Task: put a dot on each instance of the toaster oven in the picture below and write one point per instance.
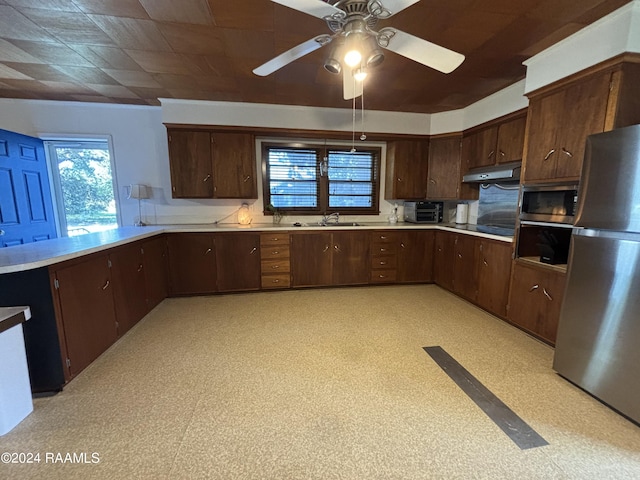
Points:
(423, 212)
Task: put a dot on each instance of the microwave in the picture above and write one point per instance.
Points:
(423, 212)
(554, 203)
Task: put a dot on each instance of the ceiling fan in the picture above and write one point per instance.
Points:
(357, 46)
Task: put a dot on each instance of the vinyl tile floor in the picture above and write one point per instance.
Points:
(318, 384)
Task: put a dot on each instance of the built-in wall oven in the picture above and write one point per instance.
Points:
(546, 215)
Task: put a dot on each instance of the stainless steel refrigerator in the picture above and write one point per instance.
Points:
(598, 342)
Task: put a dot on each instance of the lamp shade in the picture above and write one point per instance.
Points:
(138, 191)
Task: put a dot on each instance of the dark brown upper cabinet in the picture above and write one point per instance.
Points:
(208, 164)
(496, 142)
(407, 167)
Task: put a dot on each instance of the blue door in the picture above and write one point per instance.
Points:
(26, 208)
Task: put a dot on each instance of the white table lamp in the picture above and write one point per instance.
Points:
(139, 192)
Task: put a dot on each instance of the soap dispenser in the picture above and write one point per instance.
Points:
(393, 217)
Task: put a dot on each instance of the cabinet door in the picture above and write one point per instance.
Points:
(444, 168)
(407, 164)
(154, 261)
(585, 112)
(479, 148)
(192, 263)
(494, 271)
(464, 270)
(545, 120)
(311, 256)
(238, 261)
(535, 300)
(87, 310)
(127, 275)
(510, 144)
(350, 258)
(234, 166)
(443, 259)
(190, 162)
(415, 256)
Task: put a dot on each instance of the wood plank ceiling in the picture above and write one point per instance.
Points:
(136, 51)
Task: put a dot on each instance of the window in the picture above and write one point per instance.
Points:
(321, 179)
(83, 185)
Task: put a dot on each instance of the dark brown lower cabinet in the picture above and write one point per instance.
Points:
(311, 259)
(350, 258)
(443, 262)
(128, 280)
(237, 261)
(535, 299)
(415, 256)
(154, 261)
(192, 263)
(494, 272)
(465, 278)
(86, 310)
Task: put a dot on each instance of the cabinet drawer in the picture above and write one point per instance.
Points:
(384, 248)
(383, 237)
(278, 265)
(383, 262)
(274, 251)
(276, 281)
(383, 276)
(274, 238)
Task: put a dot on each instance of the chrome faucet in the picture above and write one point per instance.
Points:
(331, 218)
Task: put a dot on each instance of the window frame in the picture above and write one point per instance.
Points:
(322, 182)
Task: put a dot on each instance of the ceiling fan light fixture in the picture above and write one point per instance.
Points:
(353, 49)
(353, 58)
(374, 56)
(360, 74)
(332, 65)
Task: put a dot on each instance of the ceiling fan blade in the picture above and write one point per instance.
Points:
(351, 87)
(293, 54)
(317, 8)
(422, 51)
(388, 8)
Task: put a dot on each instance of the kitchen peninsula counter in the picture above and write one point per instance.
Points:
(42, 254)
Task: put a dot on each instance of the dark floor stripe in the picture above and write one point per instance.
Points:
(517, 429)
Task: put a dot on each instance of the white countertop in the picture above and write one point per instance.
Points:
(41, 254)
(11, 316)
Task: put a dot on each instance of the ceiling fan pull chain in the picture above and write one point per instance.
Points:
(353, 121)
(363, 137)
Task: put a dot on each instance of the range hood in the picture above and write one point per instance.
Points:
(507, 172)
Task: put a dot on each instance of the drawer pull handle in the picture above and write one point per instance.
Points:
(383, 237)
(206, 178)
(567, 152)
(275, 280)
(106, 285)
(140, 268)
(402, 245)
(535, 287)
(383, 249)
(246, 179)
(275, 267)
(253, 250)
(491, 153)
(383, 263)
(551, 152)
(275, 252)
(546, 294)
(326, 247)
(485, 263)
(382, 276)
(208, 251)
